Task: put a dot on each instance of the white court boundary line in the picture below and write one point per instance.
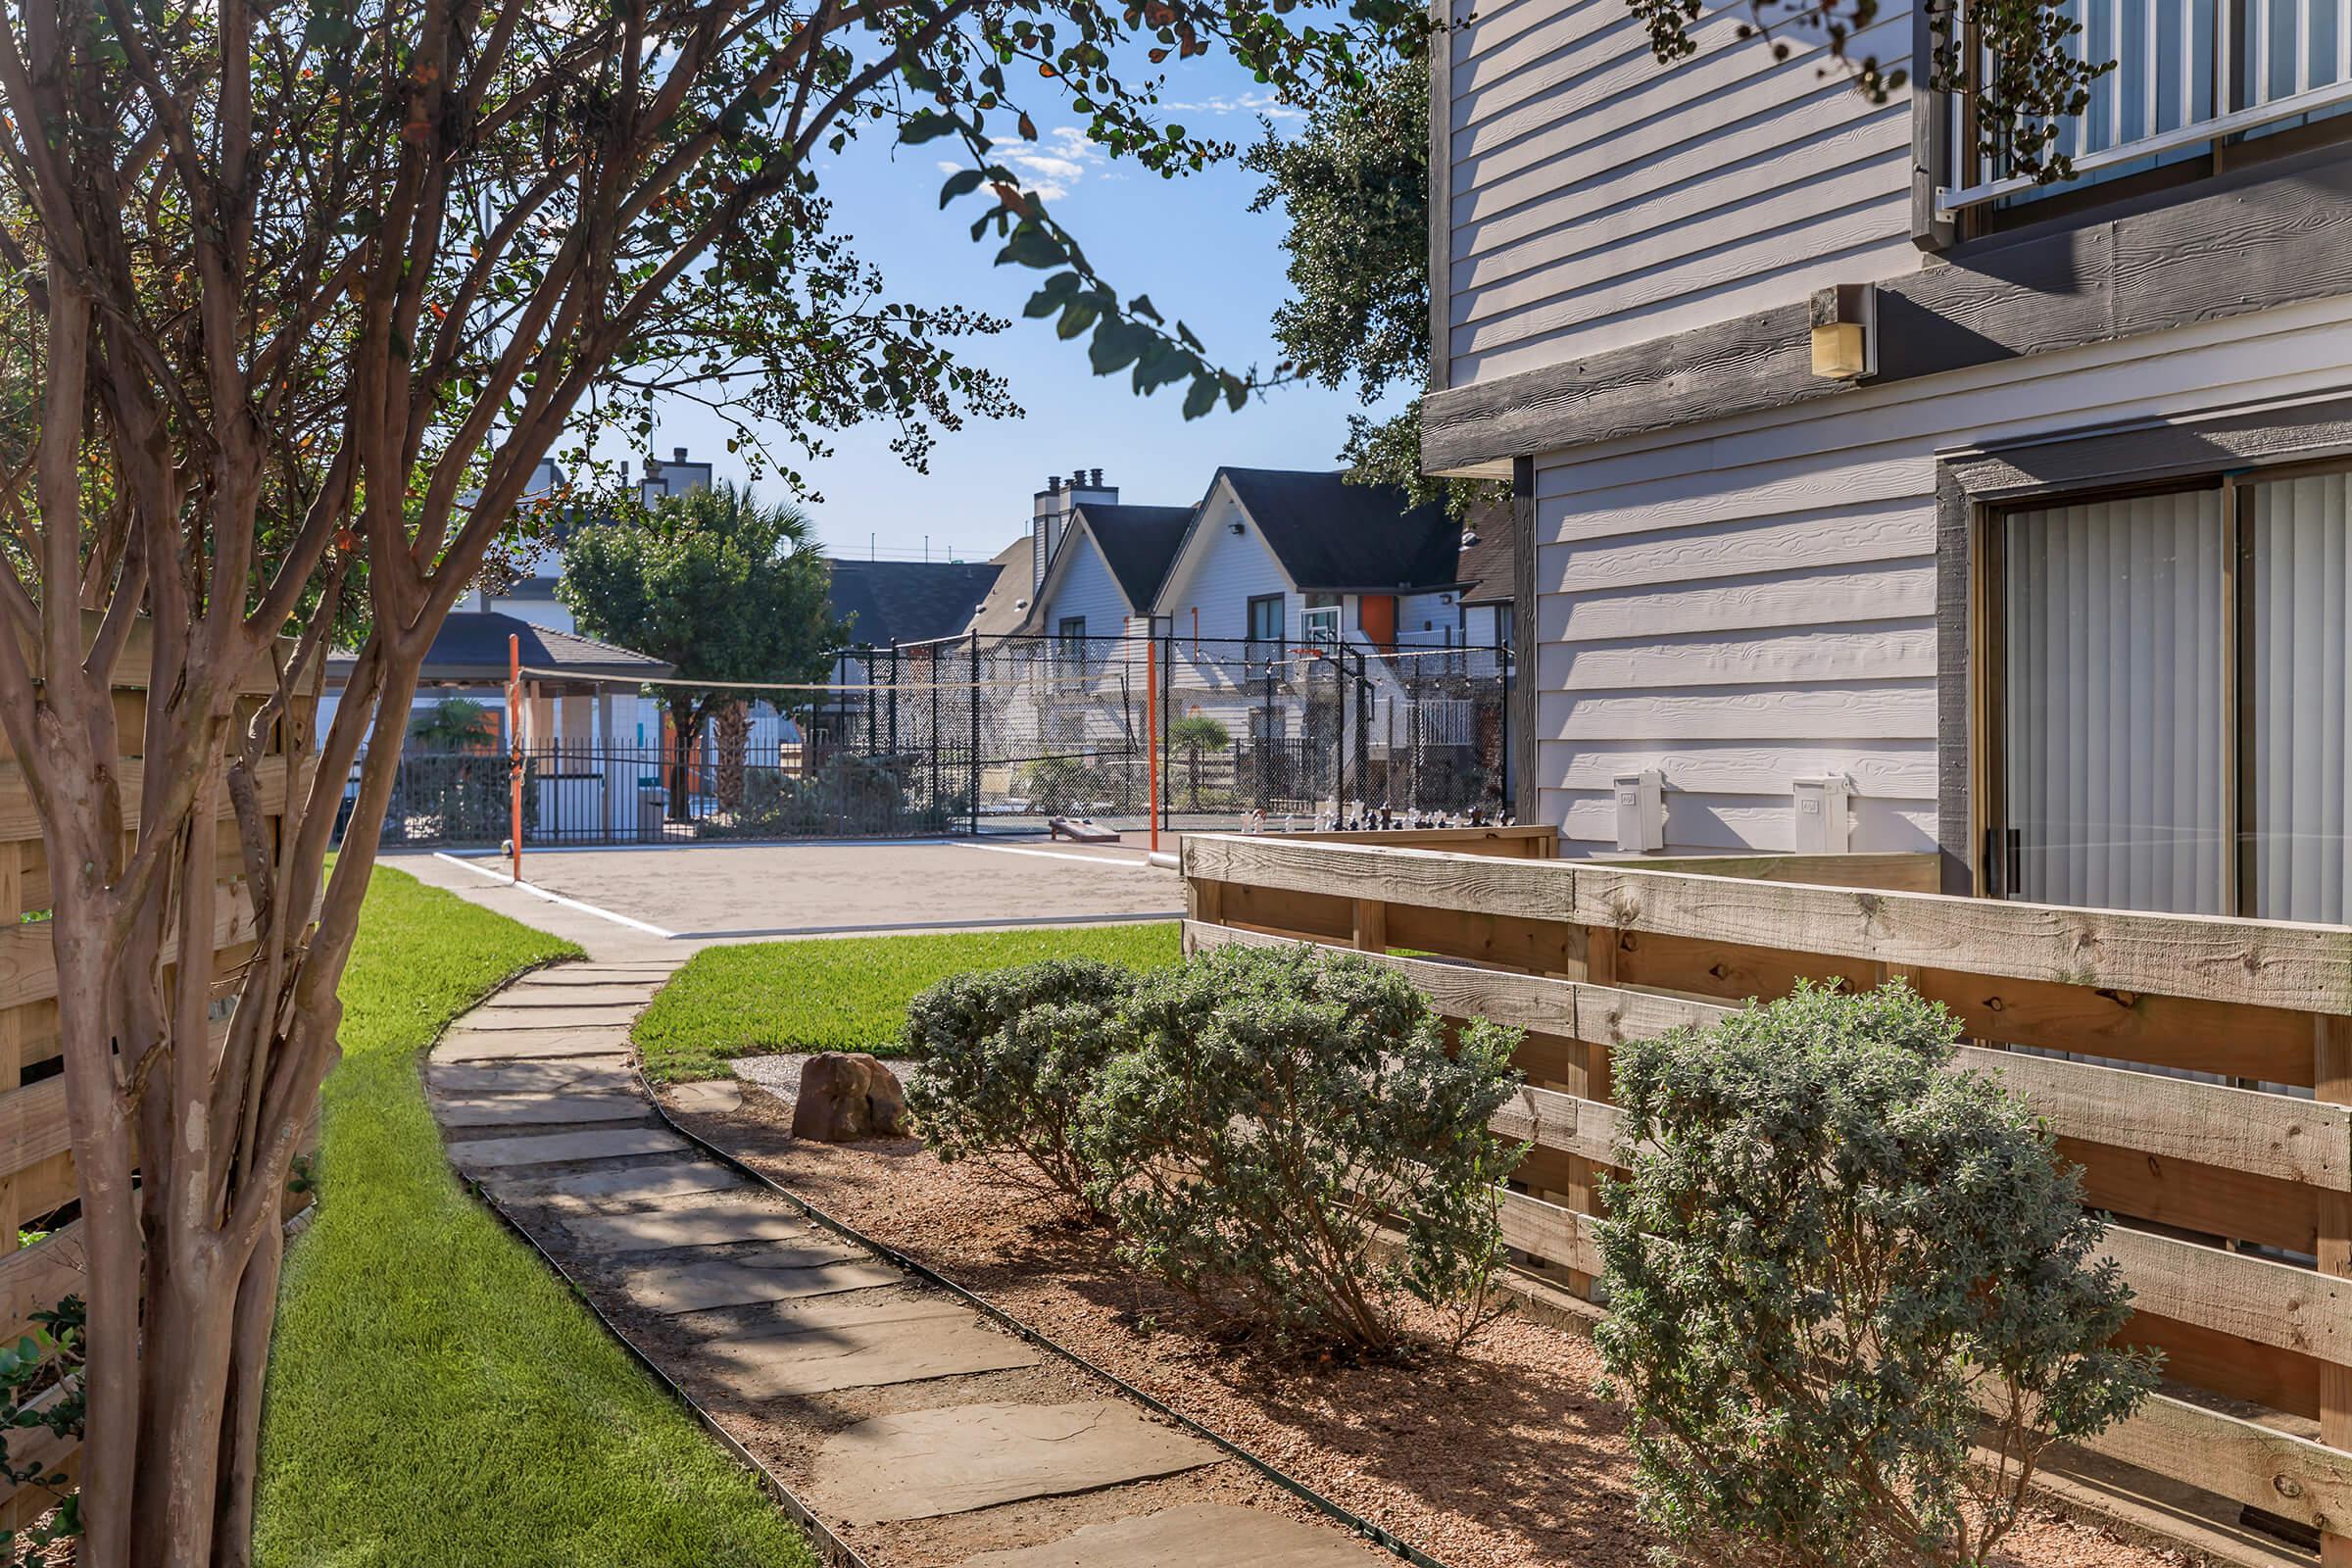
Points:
(1055, 855)
(536, 892)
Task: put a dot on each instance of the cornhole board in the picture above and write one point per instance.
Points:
(1081, 831)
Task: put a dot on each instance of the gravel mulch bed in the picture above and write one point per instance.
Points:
(1501, 1457)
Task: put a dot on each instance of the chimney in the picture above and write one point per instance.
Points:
(1052, 485)
(677, 454)
(1098, 478)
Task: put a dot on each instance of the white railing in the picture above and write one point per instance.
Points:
(2189, 73)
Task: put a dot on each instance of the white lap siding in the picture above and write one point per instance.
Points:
(1085, 587)
(1751, 601)
(1599, 198)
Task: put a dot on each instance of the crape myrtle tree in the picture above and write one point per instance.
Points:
(1352, 185)
(302, 294)
(716, 585)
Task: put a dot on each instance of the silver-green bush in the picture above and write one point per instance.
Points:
(1270, 1109)
(1009, 1055)
(1830, 1252)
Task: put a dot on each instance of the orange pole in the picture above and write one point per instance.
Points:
(1151, 732)
(514, 761)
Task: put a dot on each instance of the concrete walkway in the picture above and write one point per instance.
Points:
(729, 1288)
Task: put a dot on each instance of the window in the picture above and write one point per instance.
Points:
(1265, 631)
(2168, 679)
(2195, 84)
(1069, 647)
(1319, 624)
(1073, 632)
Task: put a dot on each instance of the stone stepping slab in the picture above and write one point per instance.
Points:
(523, 1106)
(563, 999)
(921, 1464)
(861, 1356)
(521, 1045)
(551, 1075)
(697, 1285)
(656, 1230)
(630, 1184)
(549, 1148)
(1202, 1535)
(539, 1015)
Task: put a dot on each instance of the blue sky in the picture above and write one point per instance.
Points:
(1190, 243)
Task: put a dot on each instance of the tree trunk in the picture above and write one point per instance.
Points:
(734, 740)
(683, 723)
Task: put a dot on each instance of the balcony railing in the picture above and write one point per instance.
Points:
(2188, 74)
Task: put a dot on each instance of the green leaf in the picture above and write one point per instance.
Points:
(924, 124)
(963, 182)
(1201, 398)
(1115, 345)
(1076, 318)
(1032, 246)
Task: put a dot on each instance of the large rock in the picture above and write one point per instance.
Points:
(843, 1097)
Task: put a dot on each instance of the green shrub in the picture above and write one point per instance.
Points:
(1055, 786)
(1272, 1108)
(41, 1390)
(1010, 1054)
(1829, 1249)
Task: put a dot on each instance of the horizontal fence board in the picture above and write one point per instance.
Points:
(1899, 872)
(1525, 842)
(29, 963)
(2180, 1118)
(2277, 964)
(2267, 963)
(2211, 1199)
(2235, 1368)
(2241, 1460)
(35, 1278)
(33, 1125)
(19, 822)
(2236, 1292)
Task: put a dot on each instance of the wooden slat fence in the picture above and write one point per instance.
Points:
(36, 1166)
(1585, 956)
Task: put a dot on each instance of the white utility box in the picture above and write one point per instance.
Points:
(1640, 809)
(1824, 815)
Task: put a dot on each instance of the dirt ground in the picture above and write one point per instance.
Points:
(1503, 1457)
(745, 891)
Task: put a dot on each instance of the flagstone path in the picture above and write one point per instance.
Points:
(735, 1290)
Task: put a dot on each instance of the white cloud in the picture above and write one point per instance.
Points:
(1055, 163)
(1246, 103)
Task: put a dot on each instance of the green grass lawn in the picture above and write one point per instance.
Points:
(437, 1395)
(849, 994)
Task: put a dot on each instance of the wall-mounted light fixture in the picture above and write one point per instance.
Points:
(1846, 333)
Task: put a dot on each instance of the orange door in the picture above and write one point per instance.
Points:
(1376, 618)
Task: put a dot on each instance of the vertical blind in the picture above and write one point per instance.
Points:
(2298, 558)
(2114, 768)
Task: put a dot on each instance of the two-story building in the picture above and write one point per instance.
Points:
(2008, 521)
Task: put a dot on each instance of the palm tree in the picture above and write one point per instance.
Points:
(455, 725)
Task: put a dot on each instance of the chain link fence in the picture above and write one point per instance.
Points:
(973, 737)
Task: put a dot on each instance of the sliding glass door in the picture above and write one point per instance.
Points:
(2170, 702)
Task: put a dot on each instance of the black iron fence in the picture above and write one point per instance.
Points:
(973, 737)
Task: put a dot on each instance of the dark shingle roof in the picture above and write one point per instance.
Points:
(1332, 536)
(1139, 544)
(471, 649)
(889, 602)
(1491, 566)
(1006, 606)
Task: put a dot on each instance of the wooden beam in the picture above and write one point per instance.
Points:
(2272, 964)
(2180, 1119)
(2332, 1081)
(1892, 871)
(2266, 237)
(2236, 1292)
(2241, 1460)
(33, 1125)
